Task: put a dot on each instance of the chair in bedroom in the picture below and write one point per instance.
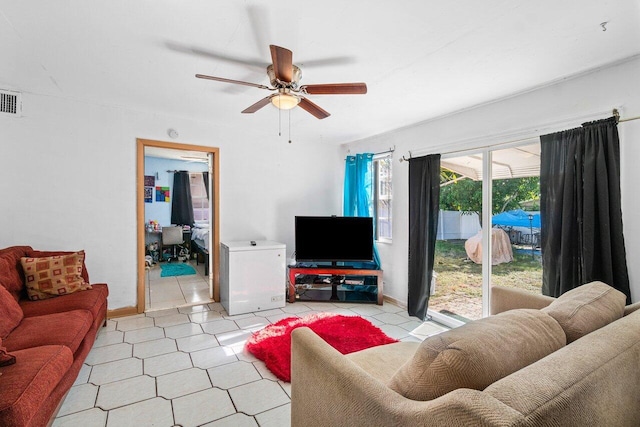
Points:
(172, 237)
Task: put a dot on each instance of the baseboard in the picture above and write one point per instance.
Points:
(395, 301)
(121, 312)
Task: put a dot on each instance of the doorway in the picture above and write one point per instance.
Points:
(488, 196)
(207, 256)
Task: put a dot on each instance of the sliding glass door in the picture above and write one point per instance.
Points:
(457, 284)
(517, 261)
(484, 233)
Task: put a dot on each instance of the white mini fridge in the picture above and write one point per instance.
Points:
(252, 278)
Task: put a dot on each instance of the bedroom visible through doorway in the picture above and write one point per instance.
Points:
(180, 269)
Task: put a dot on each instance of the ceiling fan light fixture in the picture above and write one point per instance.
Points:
(284, 101)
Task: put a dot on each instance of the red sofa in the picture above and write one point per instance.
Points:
(50, 340)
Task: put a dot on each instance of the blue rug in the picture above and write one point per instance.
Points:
(178, 269)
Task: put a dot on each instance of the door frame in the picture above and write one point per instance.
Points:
(214, 270)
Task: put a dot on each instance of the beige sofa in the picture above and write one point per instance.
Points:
(501, 374)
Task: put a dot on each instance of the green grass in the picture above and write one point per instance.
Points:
(459, 280)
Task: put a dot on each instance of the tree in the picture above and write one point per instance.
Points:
(465, 195)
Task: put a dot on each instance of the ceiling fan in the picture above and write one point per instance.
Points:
(285, 79)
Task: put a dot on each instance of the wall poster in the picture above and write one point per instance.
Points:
(162, 194)
(149, 183)
(148, 194)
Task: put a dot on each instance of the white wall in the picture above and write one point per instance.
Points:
(555, 107)
(69, 182)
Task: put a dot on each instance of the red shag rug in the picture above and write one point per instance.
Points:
(346, 334)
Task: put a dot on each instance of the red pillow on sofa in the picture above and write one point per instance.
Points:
(10, 313)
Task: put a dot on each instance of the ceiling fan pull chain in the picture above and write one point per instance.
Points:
(279, 118)
(289, 126)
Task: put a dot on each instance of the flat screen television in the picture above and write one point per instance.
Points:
(333, 239)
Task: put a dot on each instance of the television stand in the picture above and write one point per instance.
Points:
(336, 286)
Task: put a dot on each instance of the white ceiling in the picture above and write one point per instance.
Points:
(420, 59)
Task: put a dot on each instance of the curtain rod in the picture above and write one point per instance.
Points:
(175, 170)
(390, 150)
(615, 114)
(514, 141)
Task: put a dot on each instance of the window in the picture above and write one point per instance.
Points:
(199, 197)
(383, 196)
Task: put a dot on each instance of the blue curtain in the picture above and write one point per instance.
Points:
(358, 193)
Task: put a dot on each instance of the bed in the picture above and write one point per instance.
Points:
(200, 244)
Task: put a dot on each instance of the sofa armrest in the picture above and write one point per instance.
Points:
(503, 299)
(631, 308)
(329, 389)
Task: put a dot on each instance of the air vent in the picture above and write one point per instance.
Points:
(10, 103)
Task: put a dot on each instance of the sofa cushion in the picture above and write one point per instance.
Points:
(6, 358)
(10, 313)
(68, 329)
(11, 277)
(28, 383)
(93, 300)
(382, 361)
(478, 353)
(587, 308)
(47, 277)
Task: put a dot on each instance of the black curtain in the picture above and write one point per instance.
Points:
(580, 207)
(424, 201)
(205, 177)
(181, 205)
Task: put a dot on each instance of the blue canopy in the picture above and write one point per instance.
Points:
(517, 218)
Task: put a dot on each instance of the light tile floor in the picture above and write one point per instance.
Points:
(186, 367)
(177, 291)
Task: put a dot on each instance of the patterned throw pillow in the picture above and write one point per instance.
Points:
(55, 275)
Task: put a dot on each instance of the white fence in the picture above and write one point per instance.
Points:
(456, 225)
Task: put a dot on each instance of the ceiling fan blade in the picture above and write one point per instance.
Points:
(325, 62)
(313, 109)
(282, 63)
(258, 105)
(335, 89)
(260, 26)
(238, 82)
(252, 63)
